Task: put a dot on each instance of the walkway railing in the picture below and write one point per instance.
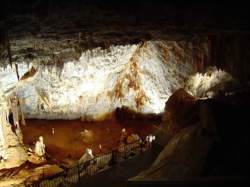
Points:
(93, 166)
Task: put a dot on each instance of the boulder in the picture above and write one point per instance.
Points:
(183, 156)
(180, 110)
(16, 157)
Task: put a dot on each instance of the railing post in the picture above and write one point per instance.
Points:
(141, 145)
(78, 172)
(113, 160)
(43, 172)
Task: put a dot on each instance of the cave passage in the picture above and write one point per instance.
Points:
(70, 139)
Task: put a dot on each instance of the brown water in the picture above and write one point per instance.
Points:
(68, 141)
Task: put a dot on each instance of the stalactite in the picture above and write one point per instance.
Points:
(8, 49)
(15, 112)
(21, 102)
(14, 109)
(17, 73)
(43, 97)
(7, 115)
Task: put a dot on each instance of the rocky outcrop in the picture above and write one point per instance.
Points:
(29, 175)
(214, 144)
(180, 111)
(191, 130)
(212, 83)
(183, 156)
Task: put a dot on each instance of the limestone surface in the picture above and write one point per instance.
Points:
(140, 77)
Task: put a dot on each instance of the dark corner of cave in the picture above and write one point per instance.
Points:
(124, 93)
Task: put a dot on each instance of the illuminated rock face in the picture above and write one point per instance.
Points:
(209, 84)
(140, 77)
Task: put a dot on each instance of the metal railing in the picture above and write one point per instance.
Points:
(91, 167)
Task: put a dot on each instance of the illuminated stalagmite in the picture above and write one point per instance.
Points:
(40, 147)
(86, 156)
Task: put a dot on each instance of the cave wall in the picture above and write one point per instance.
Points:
(231, 53)
(140, 77)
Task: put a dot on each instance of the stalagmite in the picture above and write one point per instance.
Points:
(86, 156)
(40, 147)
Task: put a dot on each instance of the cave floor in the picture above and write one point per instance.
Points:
(70, 139)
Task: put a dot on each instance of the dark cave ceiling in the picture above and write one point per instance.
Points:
(82, 25)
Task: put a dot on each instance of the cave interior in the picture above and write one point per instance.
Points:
(77, 73)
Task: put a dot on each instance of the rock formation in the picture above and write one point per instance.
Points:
(192, 135)
(40, 147)
(12, 151)
(86, 156)
(140, 77)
